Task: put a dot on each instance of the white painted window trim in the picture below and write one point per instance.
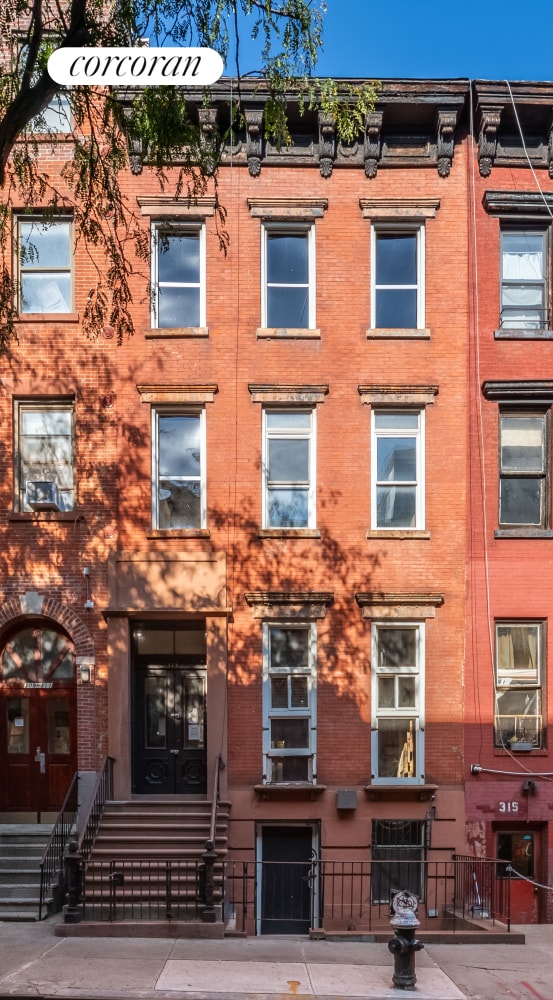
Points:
(40, 406)
(292, 229)
(311, 711)
(177, 229)
(21, 267)
(420, 232)
(420, 489)
(158, 412)
(300, 433)
(407, 713)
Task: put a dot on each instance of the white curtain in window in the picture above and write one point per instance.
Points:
(523, 266)
(517, 649)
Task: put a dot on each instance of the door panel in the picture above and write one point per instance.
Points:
(286, 880)
(518, 848)
(35, 723)
(169, 754)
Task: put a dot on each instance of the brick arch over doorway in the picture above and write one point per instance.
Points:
(17, 609)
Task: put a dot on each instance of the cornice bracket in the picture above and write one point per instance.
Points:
(327, 143)
(445, 143)
(373, 142)
(487, 139)
(254, 140)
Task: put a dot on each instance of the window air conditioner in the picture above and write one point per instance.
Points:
(42, 494)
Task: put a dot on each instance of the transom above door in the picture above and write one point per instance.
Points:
(169, 710)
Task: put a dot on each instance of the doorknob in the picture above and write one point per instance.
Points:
(173, 751)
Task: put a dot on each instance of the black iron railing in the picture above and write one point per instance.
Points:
(103, 791)
(52, 879)
(483, 888)
(142, 889)
(207, 873)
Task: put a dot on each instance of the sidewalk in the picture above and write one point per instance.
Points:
(35, 963)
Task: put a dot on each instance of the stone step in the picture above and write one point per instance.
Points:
(29, 890)
(16, 876)
(20, 914)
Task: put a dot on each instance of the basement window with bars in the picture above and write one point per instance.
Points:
(398, 850)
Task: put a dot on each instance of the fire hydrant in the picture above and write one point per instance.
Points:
(404, 944)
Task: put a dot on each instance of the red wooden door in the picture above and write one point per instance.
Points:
(519, 849)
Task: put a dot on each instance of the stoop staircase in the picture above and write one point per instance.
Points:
(21, 850)
(134, 842)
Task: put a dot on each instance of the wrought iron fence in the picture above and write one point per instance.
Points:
(52, 882)
(102, 792)
(293, 897)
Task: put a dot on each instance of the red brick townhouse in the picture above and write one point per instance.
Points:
(236, 545)
(509, 794)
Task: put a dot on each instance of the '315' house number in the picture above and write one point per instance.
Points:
(508, 807)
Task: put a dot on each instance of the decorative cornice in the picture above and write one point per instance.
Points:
(392, 395)
(397, 606)
(518, 203)
(518, 391)
(399, 208)
(287, 393)
(288, 209)
(300, 604)
(177, 393)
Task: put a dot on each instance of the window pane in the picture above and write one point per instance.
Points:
(397, 647)
(289, 648)
(522, 444)
(520, 501)
(396, 421)
(46, 422)
(396, 459)
(396, 506)
(178, 307)
(517, 650)
(396, 748)
(179, 258)
(18, 725)
(518, 716)
(396, 259)
(179, 446)
(155, 712)
(396, 308)
(386, 692)
(522, 256)
(290, 768)
(287, 419)
(45, 293)
(287, 258)
(406, 692)
(289, 461)
(45, 244)
(279, 692)
(179, 504)
(58, 726)
(288, 508)
(290, 734)
(298, 692)
(288, 307)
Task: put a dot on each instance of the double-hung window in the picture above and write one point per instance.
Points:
(178, 277)
(44, 256)
(289, 468)
(289, 702)
(288, 278)
(397, 469)
(398, 697)
(45, 459)
(519, 666)
(179, 470)
(523, 469)
(523, 279)
(397, 278)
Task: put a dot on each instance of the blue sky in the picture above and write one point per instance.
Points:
(487, 39)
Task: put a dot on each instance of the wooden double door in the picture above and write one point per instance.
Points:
(39, 752)
(169, 728)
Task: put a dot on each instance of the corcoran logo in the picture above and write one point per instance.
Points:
(138, 67)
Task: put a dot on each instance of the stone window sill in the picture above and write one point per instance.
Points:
(167, 533)
(399, 534)
(522, 334)
(172, 333)
(289, 790)
(385, 333)
(287, 333)
(407, 791)
(69, 317)
(45, 515)
(523, 533)
(288, 533)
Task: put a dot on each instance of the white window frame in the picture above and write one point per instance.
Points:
(419, 436)
(401, 230)
(53, 406)
(544, 283)
(295, 229)
(522, 680)
(160, 229)
(541, 476)
(310, 712)
(416, 713)
(199, 413)
(290, 434)
(38, 267)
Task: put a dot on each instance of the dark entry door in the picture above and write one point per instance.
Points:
(287, 879)
(169, 730)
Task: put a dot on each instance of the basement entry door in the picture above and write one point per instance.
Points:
(169, 713)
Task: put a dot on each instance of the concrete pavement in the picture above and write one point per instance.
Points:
(35, 963)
